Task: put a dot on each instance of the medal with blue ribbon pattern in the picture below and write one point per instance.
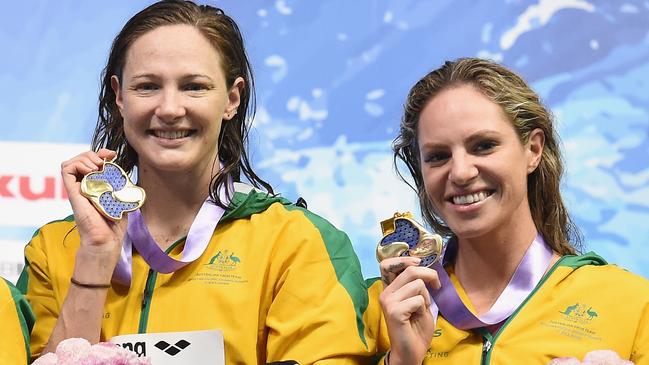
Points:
(403, 236)
(111, 191)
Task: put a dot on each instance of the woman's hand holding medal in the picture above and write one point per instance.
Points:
(100, 238)
(405, 299)
(100, 243)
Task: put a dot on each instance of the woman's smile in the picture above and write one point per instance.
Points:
(471, 198)
(171, 134)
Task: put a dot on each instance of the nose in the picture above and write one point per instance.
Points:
(170, 106)
(462, 170)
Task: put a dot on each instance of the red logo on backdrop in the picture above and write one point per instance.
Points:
(49, 187)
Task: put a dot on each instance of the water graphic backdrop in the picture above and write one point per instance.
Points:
(331, 80)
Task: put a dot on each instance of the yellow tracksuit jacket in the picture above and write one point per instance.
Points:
(581, 304)
(280, 282)
(16, 321)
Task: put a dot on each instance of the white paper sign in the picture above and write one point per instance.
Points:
(172, 348)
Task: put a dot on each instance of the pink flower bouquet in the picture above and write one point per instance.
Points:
(598, 357)
(78, 351)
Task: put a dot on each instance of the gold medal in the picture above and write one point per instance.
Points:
(403, 236)
(112, 192)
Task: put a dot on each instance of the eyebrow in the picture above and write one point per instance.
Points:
(488, 133)
(195, 76)
(477, 135)
(185, 77)
(143, 76)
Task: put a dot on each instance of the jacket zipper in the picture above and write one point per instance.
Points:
(148, 292)
(487, 344)
(489, 340)
(146, 300)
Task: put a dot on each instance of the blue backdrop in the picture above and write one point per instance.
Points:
(331, 80)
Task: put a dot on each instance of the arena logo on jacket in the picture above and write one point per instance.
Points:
(171, 348)
(224, 268)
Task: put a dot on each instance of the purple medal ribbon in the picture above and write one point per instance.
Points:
(529, 272)
(138, 236)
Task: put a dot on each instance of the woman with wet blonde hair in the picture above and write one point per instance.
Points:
(524, 110)
(510, 287)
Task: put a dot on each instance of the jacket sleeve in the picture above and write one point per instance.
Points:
(36, 282)
(16, 321)
(316, 314)
(377, 330)
(640, 352)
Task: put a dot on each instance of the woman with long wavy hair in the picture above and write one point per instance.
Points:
(511, 287)
(206, 251)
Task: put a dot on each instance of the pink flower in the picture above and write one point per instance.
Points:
(597, 357)
(72, 350)
(78, 351)
(49, 358)
(605, 357)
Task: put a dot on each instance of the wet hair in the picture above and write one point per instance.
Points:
(223, 33)
(525, 111)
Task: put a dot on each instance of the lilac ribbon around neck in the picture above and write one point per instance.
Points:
(138, 237)
(529, 272)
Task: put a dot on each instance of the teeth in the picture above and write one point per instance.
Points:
(171, 134)
(470, 198)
